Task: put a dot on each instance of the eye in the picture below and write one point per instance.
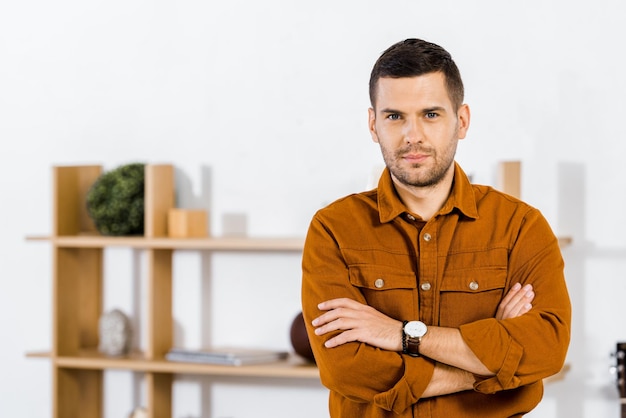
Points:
(431, 115)
(393, 116)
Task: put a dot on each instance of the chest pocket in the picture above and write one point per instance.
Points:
(470, 295)
(390, 291)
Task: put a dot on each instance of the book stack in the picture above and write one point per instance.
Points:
(231, 356)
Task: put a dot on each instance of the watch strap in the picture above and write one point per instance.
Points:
(410, 345)
(413, 346)
(404, 338)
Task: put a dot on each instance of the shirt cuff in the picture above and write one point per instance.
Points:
(417, 375)
(495, 348)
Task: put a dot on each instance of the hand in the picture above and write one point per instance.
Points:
(517, 302)
(357, 322)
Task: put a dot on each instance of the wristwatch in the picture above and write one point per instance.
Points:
(412, 334)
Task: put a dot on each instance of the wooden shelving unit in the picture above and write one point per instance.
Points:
(77, 366)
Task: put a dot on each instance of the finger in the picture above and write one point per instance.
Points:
(336, 308)
(339, 324)
(519, 310)
(340, 319)
(333, 315)
(504, 307)
(516, 295)
(522, 305)
(511, 293)
(340, 339)
(525, 305)
(524, 309)
(517, 306)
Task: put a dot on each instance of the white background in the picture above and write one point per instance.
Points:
(261, 106)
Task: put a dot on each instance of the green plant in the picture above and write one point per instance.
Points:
(115, 201)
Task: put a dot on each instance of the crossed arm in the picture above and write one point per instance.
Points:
(456, 363)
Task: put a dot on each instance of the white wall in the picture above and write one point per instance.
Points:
(262, 108)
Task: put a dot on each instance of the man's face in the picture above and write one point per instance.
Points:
(417, 128)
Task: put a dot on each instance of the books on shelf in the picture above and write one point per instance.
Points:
(231, 356)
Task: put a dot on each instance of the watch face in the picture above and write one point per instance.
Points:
(415, 329)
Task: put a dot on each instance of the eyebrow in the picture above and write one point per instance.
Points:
(426, 110)
(434, 109)
(388, 110)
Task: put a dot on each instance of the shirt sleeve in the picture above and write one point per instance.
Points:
(533, 346)
(357, 371)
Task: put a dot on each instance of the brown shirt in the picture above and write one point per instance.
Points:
(451, 271)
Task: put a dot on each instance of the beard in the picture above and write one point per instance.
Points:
(421, 175)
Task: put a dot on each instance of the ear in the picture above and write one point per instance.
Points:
(463, 116)
(371, 113)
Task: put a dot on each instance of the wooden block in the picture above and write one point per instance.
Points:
(185, 223)
(509, 174)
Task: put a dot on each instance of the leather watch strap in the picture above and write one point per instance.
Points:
(413, 346)
(404, 338)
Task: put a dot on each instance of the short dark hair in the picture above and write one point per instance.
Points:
(415, 57)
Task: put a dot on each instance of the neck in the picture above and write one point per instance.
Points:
(425, 201)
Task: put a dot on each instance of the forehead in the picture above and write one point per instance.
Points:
(428, 90)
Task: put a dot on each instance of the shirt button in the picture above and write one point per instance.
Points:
(425, 286)
(427, 237)
(379, 283)
(473, 286)
(410, 217)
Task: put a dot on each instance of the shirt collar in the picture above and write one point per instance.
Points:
(461, 197)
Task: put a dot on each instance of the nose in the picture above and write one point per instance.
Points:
(412, 131)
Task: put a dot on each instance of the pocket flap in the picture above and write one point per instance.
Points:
(381, 278)
(475, 280)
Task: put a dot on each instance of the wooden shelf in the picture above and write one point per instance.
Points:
(293, 367)
(77, 274)
(211, 244)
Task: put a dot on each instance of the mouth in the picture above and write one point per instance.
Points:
(415, 158)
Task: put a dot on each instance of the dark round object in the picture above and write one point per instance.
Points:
(300, 339)
(115, 201)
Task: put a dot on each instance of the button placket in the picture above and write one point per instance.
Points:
(428, 290)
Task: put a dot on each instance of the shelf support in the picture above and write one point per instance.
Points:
(159, 395)
(160, 334)
(77, 393)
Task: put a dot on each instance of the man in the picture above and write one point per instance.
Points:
(430, 296)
